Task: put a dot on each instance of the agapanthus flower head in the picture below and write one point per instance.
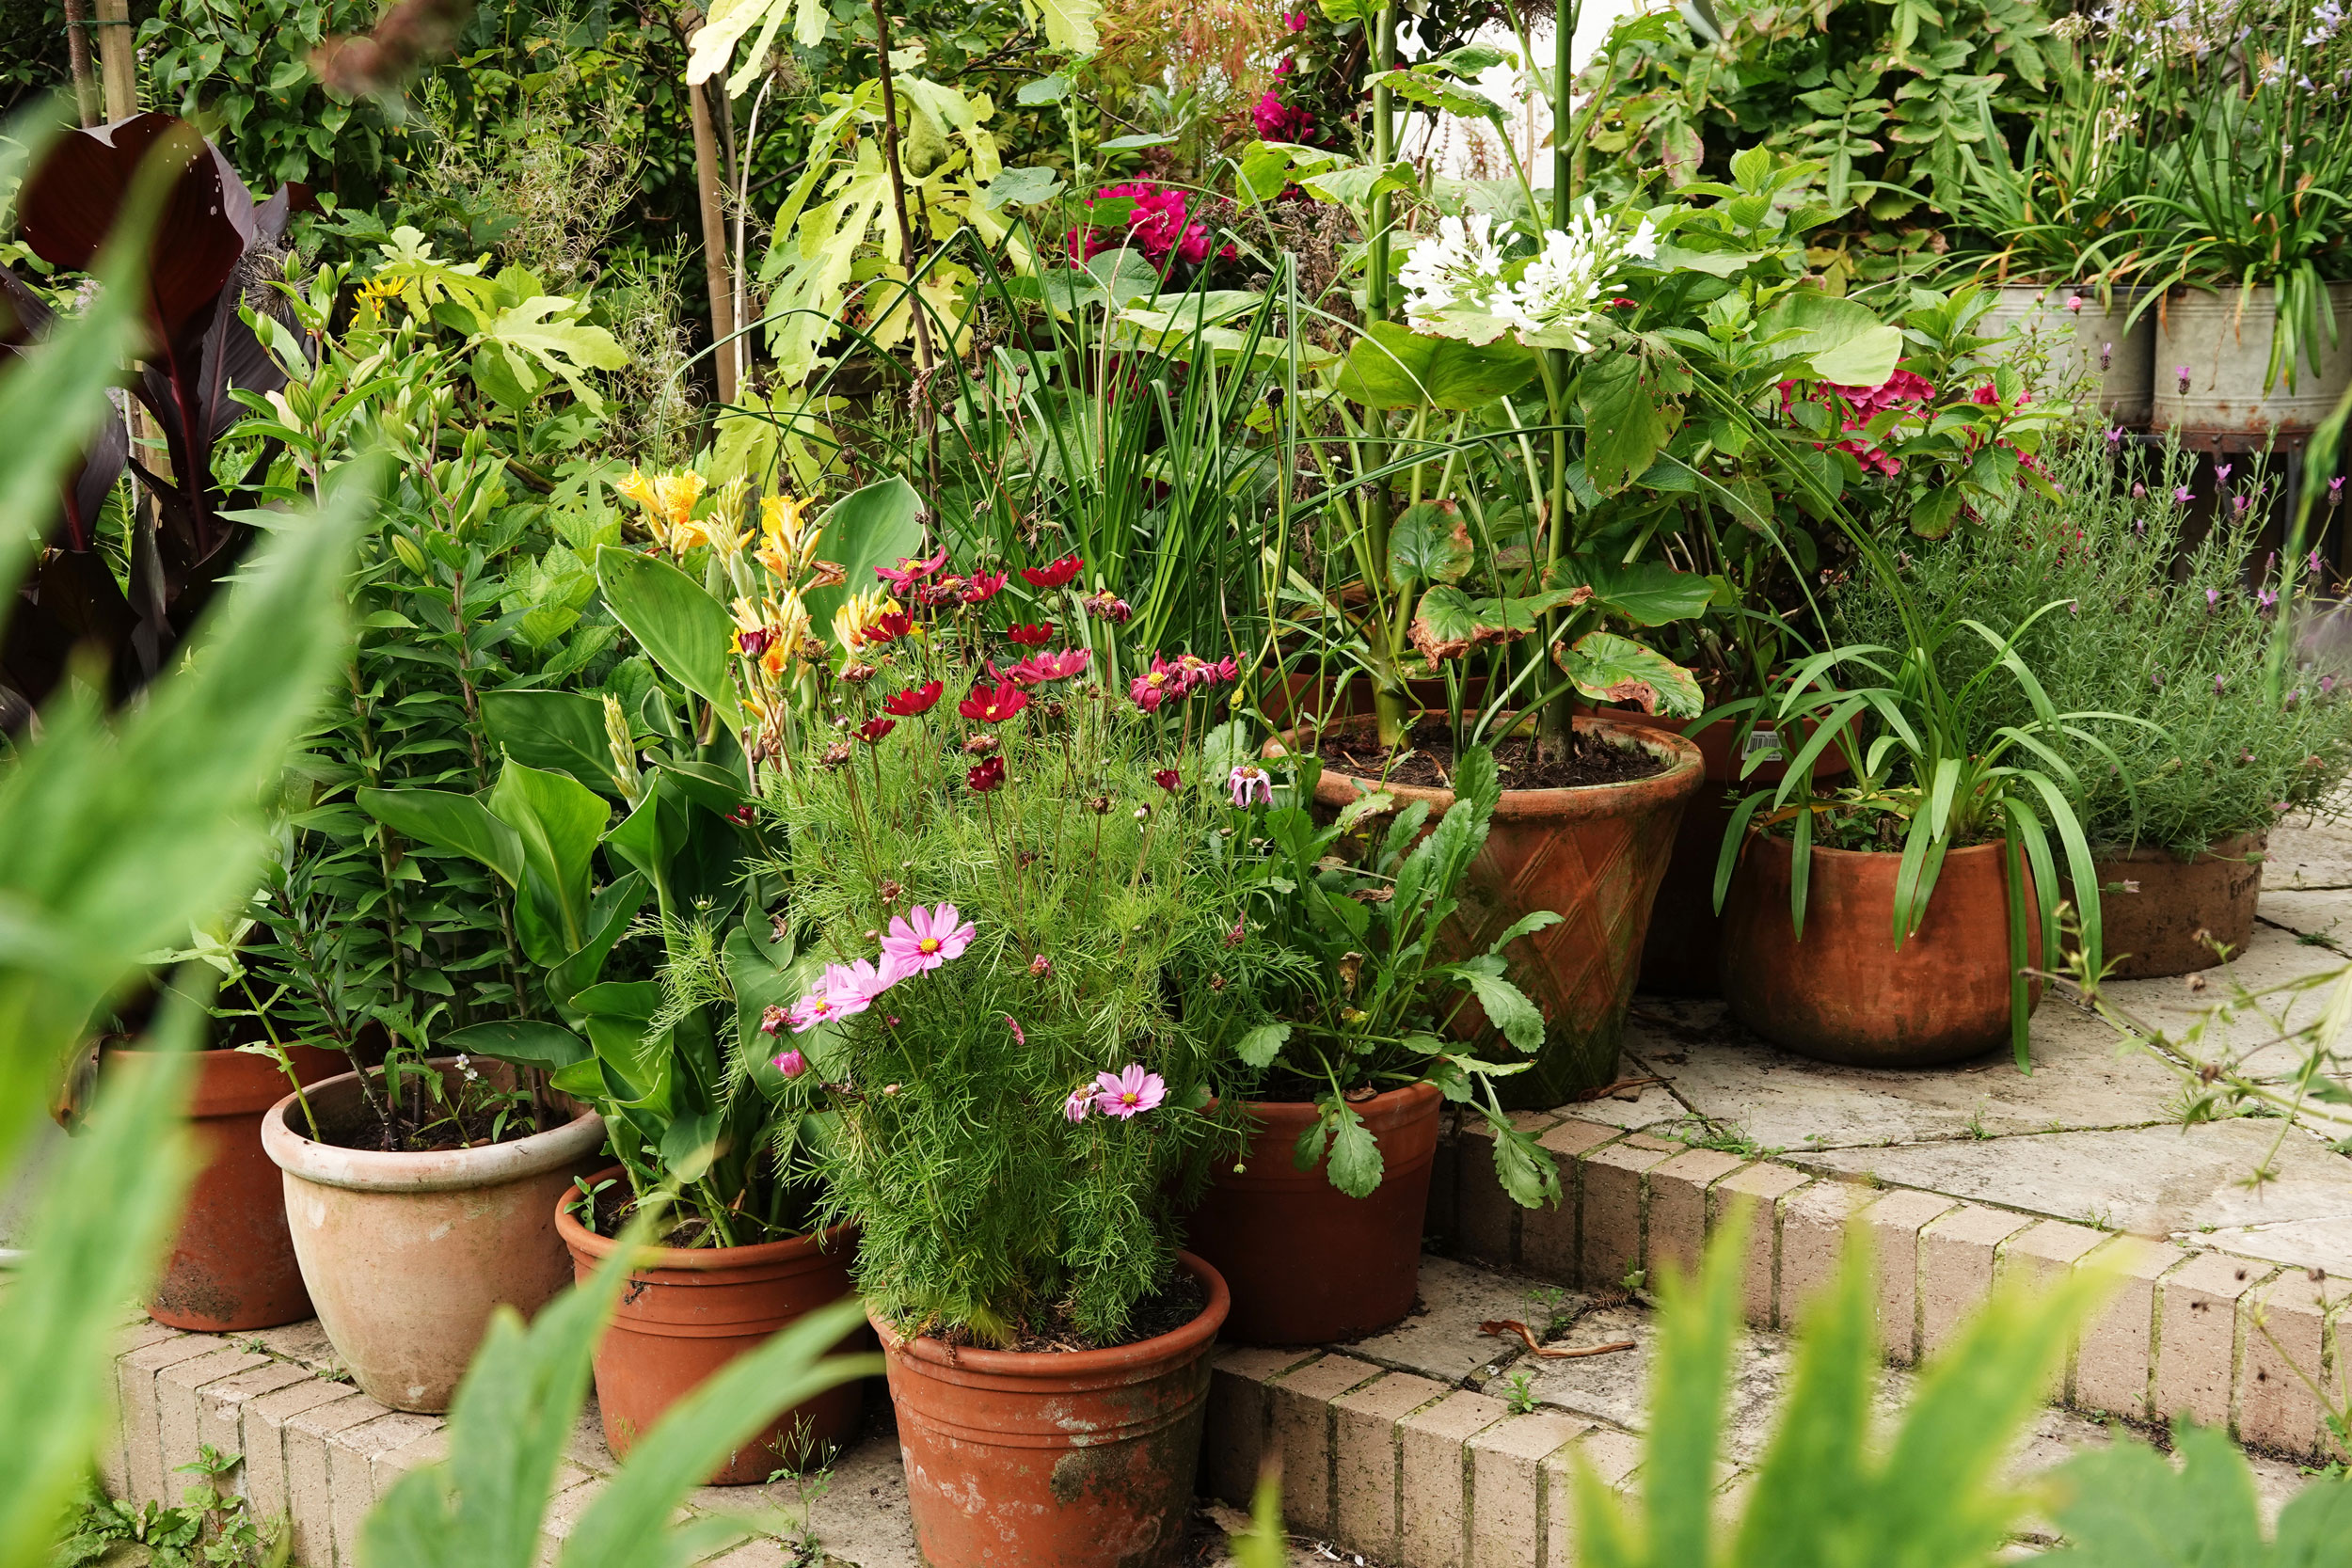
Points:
(922, 939)
(1129, 1092)
(914, 700)
(1461, 264)
(1031, 637)
(1249, 785)
(1054, 573)
(993, 704)
(988, 776)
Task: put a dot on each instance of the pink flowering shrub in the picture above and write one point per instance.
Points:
(1963, 451)
(1162, 223)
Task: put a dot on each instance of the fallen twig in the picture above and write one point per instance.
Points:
(1508, 1326)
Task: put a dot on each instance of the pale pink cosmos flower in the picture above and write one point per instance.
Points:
(1129, 1092)
(1251, 784)
(924, 938)
(791, 1064)
(842, 990)
(1081, 1101)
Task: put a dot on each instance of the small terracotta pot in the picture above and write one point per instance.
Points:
(405, 1255)
(232, 1262)
(1846, 993)
(1306, 1263)
(1084, 1459)
(2152, 933)
(1682, 952)
(1594, 856)
(694, 1309)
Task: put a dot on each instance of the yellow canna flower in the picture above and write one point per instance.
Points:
(872, 616)
(668, 502)
(788, 544)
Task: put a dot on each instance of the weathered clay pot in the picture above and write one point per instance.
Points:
(1846, 993)
(691, 1311)
(2227, 353)
(2092, 342)
(232, 1262)
(1594, 856)
(2152, 933)
(1084, 1459)
(1307, 1263)
(1682, 952)
(405, 1255)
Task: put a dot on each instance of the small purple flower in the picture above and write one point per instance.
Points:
(2335, 491)
(2139, 491)
(2327, 686)
(2106, 358)
(2115, 437)
(2221, 474)
(2139, 526)
(2213, 598)
(2217, 685)
(2182, 371)
(2311, 564)
(2266, 600)
(2239, 504)
(2181, 496)
(2156, 680)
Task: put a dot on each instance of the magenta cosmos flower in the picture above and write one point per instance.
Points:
(842, 990)
(1128, 1093)
(924, 938)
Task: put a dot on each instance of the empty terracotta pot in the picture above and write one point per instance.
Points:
(2153, 906)
(1846, 992)
(232, 1261)
(1082, 1459)
(1593, 855)
(405, 1255)
(1305, 1262)
(691, 1311)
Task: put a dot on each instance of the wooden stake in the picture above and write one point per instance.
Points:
(118, 57)
(86, 99)
(709, 184)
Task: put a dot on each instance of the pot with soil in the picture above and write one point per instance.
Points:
(233, 1265)
(1682, 951)
(1588, 838)
(690, 1310)
(405, 1252)
(1307, 1264)
(1846, 992)
(1044, 1458)
(2156, 910)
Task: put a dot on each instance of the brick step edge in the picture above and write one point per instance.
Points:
(2206, 1334)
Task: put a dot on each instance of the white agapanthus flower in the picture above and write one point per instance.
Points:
(1462, 264)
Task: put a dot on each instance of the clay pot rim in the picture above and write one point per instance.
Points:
(1788, 847)
(447, 1170)
(1048, 1366)
(1685, 775)
(679, 1260)
(2251, 847)
(229, 1081)
(1266, 1111)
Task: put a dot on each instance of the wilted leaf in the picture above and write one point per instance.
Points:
(1611, 668)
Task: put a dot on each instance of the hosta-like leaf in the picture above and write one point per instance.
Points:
(1391, 367)
(1429, 543)
(1608, 668)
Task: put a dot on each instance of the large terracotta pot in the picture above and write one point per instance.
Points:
(1846, 992)
(2153, 906)
(1682, 952)
(689, 1311)
(1307, 1263)
(1084, 1459)
(232, 1261)
(405, 1255)
(1594, 856)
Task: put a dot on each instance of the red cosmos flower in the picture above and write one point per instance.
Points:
(890, 627)
(993, 706)
(913, 699)
(1053, 573)
(753, 644)
(1167, 778)
(982, 587)
(909, 569)
(874, 729)
(1032, 637)
(987, 776)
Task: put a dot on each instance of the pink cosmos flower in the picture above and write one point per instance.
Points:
(842, 990)
(1081, 1101)
(909, 569)
(1128, 1093)
(1049, 666)
(791, 1064)
(922, 939)
(1250, 785)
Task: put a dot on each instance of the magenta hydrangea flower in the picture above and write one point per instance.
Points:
(842, 990)
(922, 939)
(1129, 1092)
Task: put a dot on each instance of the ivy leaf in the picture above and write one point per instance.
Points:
(1611, 668)
(1355, 1166)
(1263, 1044)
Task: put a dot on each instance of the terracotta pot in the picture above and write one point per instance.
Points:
(232, 1262)
(2152, 933)
(1846, 993)
(1682, 952)
(405, 1255)
(1593, 855)
(1084, 1459)
(692, 1311)
(1306, 1263)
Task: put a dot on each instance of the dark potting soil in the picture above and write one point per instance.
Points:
(1427, 761)
(356, 1127)
(1164, 1311)
(616, 1206)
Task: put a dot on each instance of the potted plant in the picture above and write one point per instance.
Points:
(1012, 965)
(1317, 1226)
(1892, 922)
(2167, 632)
